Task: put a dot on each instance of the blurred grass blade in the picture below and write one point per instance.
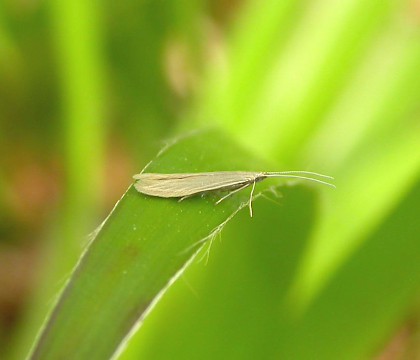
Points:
(377, 178)
(369, 296)
(79, 50)
(137, 254)
(274, 105)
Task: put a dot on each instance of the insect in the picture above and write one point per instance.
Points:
(184, 185)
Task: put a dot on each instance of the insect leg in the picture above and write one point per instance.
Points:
(250, 198)
(231, 193)
(185, 197)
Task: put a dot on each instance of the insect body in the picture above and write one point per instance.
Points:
(187, 184)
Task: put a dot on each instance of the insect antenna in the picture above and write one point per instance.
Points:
(295, 175)
(297, 172)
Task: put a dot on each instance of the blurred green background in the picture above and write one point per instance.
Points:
(89, 92)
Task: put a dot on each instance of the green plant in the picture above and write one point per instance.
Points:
(331, 87)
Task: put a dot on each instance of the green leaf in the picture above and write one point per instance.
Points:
(138, 252)
(232, 308)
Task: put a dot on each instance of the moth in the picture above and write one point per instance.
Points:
(184, 185)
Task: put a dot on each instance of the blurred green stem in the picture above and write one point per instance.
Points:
(78, 47)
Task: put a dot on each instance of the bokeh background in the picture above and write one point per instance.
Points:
(89, 91)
